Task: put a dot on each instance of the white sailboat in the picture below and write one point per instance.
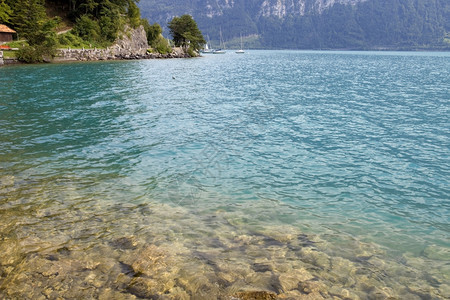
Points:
(240, 51)
(207, 50)
(222, 44)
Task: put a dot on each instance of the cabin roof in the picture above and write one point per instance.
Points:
(4, 28)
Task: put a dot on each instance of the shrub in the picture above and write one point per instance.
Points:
(34, 54)
(161, 45)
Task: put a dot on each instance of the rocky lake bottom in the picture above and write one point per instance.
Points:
(150, 250)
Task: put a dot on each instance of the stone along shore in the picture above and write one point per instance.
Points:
(131, 45)
(113, 54)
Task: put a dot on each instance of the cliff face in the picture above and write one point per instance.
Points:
(283, 8)
(215, 8)
(131, 42)
(266, 8)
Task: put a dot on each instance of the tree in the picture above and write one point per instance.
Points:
(5, 12)
(32, 23)
(134, 14)
(152, 31)
(185, 33)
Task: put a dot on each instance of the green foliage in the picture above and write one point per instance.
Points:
(87, 29)
(153, 31)
(68, 39)
(185, 33)
(29, 18)
(29, 54)
(110, 24)
(103, 30)
(161, 45)
(9, 54)
(5, 12)
(100, 21)
(33, 24)
(191, 52)
(36, 53)
(17, 44)
(134, 15)
(96, 23)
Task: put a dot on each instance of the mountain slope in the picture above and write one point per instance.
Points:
(314, 24)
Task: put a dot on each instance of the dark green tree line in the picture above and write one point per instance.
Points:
(94, 21)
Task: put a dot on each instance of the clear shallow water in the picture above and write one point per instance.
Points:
(320, 174)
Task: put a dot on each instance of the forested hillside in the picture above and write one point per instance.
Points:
(45, 25)
(96, 21)
(316, 24)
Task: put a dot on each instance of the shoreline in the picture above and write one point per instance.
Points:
(83, 55)
(93, 54)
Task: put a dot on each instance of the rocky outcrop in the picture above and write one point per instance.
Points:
(132, 44)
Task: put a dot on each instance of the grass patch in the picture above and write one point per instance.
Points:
(69, 40)
(17, 44)
(65, 40)
(9, 54)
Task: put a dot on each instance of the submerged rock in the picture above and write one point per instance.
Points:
(149, 261)
(255, 295)
(144, 287)
(292, 279)
(313, 287)
(437, 252)
(124, 243)
(444, 290)
(343, 293)
(316, 258)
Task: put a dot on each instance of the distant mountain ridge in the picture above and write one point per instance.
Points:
(315, 24)
(216, 8)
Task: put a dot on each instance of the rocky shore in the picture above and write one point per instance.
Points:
(132, 44)
(111, 54)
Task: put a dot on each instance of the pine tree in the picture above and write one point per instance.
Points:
(5, 12)
(32, 23)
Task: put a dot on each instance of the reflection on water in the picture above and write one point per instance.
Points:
(273, 175)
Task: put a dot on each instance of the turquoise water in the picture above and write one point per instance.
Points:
(295, 168)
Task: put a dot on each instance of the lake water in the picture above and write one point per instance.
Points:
(274, 173)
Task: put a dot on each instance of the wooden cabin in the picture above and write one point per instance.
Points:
(6, 33)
